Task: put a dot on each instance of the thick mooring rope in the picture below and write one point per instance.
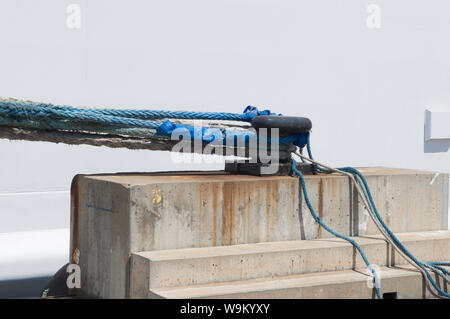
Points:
(15, 107)
(148, 124)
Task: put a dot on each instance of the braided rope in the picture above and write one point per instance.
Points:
(36, 111)
(33, 115)
(130, 114)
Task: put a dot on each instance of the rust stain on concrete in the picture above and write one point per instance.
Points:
(320, 199)
(248, 222)
(333, 184)
(215, 203)
(227, 214)
(268, 198)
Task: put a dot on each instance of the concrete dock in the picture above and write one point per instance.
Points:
(212, 234)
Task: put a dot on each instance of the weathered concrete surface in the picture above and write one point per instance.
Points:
(116, 215)
(193, 266)
(407, 200)
(404, 281)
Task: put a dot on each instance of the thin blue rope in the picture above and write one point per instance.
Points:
(439, 270)
(322, 224)
(439, 263)
(391, 235)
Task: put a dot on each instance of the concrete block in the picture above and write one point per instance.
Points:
(114, 215)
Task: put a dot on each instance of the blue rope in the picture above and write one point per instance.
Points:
(436, 268)
(439, 263)
(15, 107)
(15, 112)
(322, 224)
(391, 235)
(432, 265)
(33, 111)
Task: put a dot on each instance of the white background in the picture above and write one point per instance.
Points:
(366, 90)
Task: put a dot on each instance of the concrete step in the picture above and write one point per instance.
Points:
(192, 266)
(398, 283)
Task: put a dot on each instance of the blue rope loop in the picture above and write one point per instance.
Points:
(157, 120)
